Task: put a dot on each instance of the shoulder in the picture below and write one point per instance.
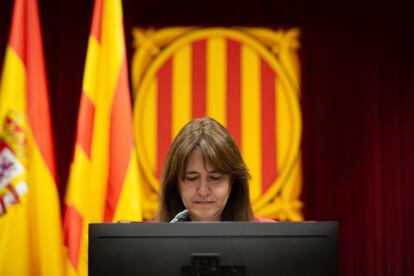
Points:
(260, 219)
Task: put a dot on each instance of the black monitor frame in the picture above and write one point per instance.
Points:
(223, 248)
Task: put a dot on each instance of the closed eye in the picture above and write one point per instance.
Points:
(215, 177)
(191, 177)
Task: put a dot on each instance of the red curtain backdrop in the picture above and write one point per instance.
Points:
(357, 106)
(358, 143)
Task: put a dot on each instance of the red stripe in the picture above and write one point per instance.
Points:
(199, 78)
(26, 40)
(234, 90)
(85, 124)
(96, 27)
(268, 97)
(72, 227)
(120, 142)
(17, 39)
(164, 122)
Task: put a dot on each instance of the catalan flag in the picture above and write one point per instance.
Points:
(103, 184)
(30, 223)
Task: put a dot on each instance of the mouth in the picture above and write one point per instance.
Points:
(204, 202)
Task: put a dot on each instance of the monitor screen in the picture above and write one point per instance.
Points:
(214, 248)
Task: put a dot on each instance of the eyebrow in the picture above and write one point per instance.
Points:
(195, 172)
(192, 172)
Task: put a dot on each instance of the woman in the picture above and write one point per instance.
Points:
(205, 174)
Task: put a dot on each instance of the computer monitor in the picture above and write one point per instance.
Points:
(214, 248)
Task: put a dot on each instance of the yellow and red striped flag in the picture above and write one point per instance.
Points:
(30, 224)
(103, 183)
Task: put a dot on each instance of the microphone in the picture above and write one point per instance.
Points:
(181, 216)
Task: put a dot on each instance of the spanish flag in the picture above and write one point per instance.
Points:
(103, 183)
(30, 224)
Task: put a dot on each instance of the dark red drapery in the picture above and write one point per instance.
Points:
(358, 142)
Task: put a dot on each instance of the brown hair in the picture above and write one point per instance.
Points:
(221, 152)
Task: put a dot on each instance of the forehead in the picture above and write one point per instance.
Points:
(197, 162)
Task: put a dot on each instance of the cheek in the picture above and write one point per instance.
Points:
(185, 192)
(223, 193)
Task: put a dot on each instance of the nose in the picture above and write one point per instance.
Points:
(203, 188)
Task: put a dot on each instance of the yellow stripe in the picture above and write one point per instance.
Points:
(112, 45)
(129, 204)
(15, 241)
(181, 94)
(89, 84)
(98, 175)
(283, 125)
(251, 130)
(44, 206)
(216, 79)
(12, 85)
(80, 195)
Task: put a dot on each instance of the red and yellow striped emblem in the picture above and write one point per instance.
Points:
(247, 79)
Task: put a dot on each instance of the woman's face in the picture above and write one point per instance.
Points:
(204, 191)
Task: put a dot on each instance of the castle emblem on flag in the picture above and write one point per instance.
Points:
(12, 161)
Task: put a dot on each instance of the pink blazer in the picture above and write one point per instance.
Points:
(259, 219)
